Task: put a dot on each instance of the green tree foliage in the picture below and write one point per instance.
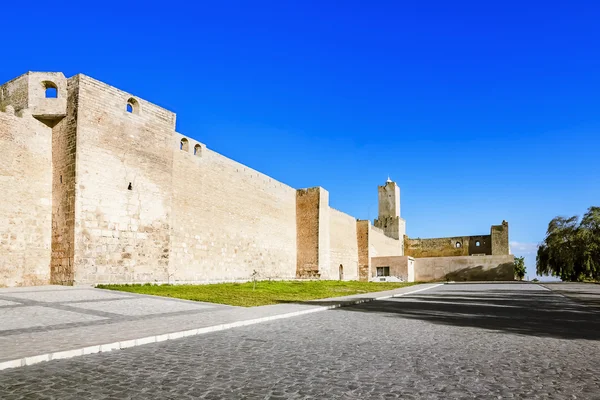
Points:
(519, 267)
(571, 249)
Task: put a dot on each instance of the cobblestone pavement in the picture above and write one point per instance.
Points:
(46, 319)
(484, 341)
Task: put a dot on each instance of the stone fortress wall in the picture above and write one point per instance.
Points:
(25, 190)
(98, 187)
(101, 188)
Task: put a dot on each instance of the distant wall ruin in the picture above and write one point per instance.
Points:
(496, 243)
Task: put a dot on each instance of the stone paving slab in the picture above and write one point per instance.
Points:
(19, 318)
(120, 324)
(139, 306)
(60, 296)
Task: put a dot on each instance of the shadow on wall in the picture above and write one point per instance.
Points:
(503, 272)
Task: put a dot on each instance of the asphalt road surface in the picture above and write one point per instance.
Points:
(456, 341)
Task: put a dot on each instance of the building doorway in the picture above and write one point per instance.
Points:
(341, 272)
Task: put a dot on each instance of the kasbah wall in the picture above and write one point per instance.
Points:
(98, 187)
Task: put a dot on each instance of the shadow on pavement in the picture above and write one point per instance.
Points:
(534, 313)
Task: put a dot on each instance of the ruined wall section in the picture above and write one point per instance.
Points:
(124, 187)
(228, 219)
(343, 246)
(15, 93)
(448, 246)
(26, 189)
(499, 239)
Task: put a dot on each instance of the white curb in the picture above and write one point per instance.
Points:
(103, 348)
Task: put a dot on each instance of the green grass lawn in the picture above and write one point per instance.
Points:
(267, 292)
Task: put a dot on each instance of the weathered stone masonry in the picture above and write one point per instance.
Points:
(98, 187)
(101, 188)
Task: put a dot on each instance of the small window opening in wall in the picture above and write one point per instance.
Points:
(383, 271)
(61, 179)
(477, 243)
(51, 91)
(458, 245)
(133, 106)
(197, 150)
(129, 187)
(184, 145)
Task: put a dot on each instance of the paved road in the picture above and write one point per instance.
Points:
(46, 319)
(585, 293)
(457, 341)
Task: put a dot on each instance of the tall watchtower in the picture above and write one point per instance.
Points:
(389, 211)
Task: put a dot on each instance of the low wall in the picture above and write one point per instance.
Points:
(465, 268)
(400, 267)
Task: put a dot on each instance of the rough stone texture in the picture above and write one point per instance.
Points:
(496, 243)
(15, 93)
(388, 219)
(500, 244)
(466, 268)
(452, 342)
(122, 235)
(389, 200)
(308, 213)
(100, 188)
(64, 157)
(446, 247)
(121, 202)
(229, 220)
(364, 259)
(26, 191)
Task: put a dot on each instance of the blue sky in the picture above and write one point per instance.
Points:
(481, 111)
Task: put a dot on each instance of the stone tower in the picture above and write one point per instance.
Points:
(389, 211)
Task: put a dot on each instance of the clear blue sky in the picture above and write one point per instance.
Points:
(480, 111)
